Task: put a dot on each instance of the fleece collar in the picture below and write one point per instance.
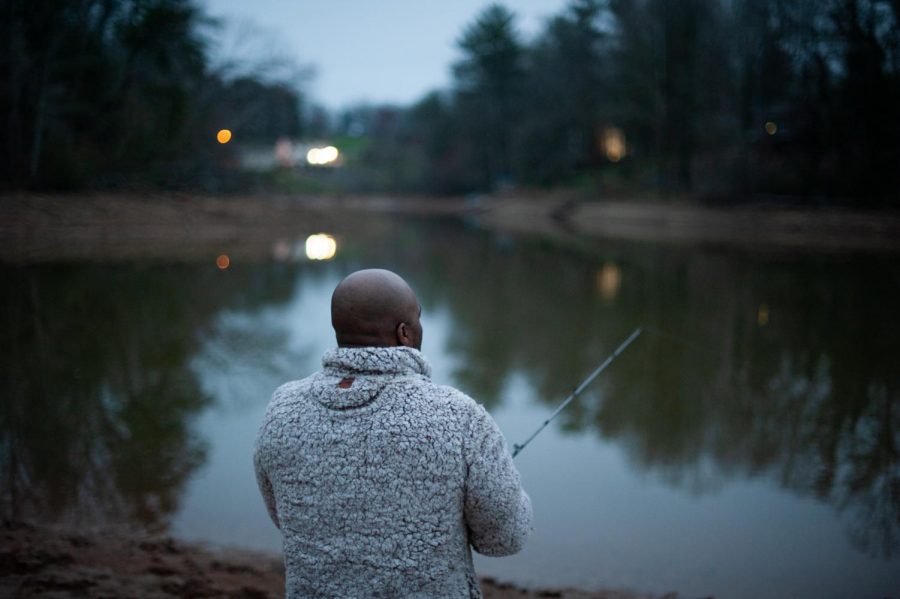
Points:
(355, 377)
(376, 360)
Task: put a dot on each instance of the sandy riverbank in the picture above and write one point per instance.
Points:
(745, 226)
(40, 561)
(36, 227)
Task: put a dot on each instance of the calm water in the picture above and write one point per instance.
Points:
(746, 446)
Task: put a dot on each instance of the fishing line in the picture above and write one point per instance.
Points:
(581, 387)
(517, 448)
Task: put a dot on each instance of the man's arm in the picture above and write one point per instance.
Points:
(265, 485)
(497, 509)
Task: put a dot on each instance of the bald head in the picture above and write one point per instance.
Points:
(375, 308)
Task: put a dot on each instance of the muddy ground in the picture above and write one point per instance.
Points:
(40, 561)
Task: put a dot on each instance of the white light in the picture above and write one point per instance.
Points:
(322, 156)
(320, 247)
(329, 154)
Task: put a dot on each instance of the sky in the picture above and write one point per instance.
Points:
(376, 51)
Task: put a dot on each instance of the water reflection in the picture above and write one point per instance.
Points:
(98, 389)
(320, 246)
(762, 367)
(809, 400)
(609, 279)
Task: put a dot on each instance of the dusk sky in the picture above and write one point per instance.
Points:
(386, 51)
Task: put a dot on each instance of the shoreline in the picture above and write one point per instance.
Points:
(113, 227)
(684, 222)
(39, 560)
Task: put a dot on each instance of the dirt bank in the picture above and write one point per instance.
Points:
(36, 227)
(40, 561)
(681, 222)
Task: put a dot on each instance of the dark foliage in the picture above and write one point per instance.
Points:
(119, 92)
(788, 100)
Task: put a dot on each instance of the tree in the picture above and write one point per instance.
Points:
(106, 92)
(488, 80)
(672, 73)
(566, 94)
(90, 85)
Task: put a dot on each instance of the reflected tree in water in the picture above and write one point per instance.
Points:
(99, 398)
(246, 352)
(99, 392)
(752, 365)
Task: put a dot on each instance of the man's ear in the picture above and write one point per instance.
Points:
(403, 335)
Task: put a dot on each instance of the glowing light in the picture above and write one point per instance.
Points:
(322, 156)
(771, 128)
(223, 136)
(223, 262)
(609, 280)
(614, 144)
(320, 246)
(281, 250)
(762, 315)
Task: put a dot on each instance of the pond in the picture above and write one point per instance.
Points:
(745, 445)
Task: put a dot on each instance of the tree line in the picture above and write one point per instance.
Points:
(124, 93)
(722, 98)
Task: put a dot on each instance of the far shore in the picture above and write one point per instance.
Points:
(37, 560)
(115, 226)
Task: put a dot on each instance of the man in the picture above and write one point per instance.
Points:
(379, 479)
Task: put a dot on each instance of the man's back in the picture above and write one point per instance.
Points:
(380, 480)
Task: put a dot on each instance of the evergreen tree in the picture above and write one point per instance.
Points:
(567, 94)
(488, 84)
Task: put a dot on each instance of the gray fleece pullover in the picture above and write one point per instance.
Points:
(381, 480)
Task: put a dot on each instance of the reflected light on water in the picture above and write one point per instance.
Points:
(320, 246)
(223, 136)
(609, 279)
(771, 128)
(223, 262)
(762, 315)
(281, 250)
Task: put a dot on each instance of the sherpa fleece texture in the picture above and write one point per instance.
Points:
(380, 488)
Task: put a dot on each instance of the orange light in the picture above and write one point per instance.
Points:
(771, 128)
(223, 136)
(614, 144)
(609, 280)
(223, 262)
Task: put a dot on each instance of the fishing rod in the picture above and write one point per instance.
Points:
(581, 387)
